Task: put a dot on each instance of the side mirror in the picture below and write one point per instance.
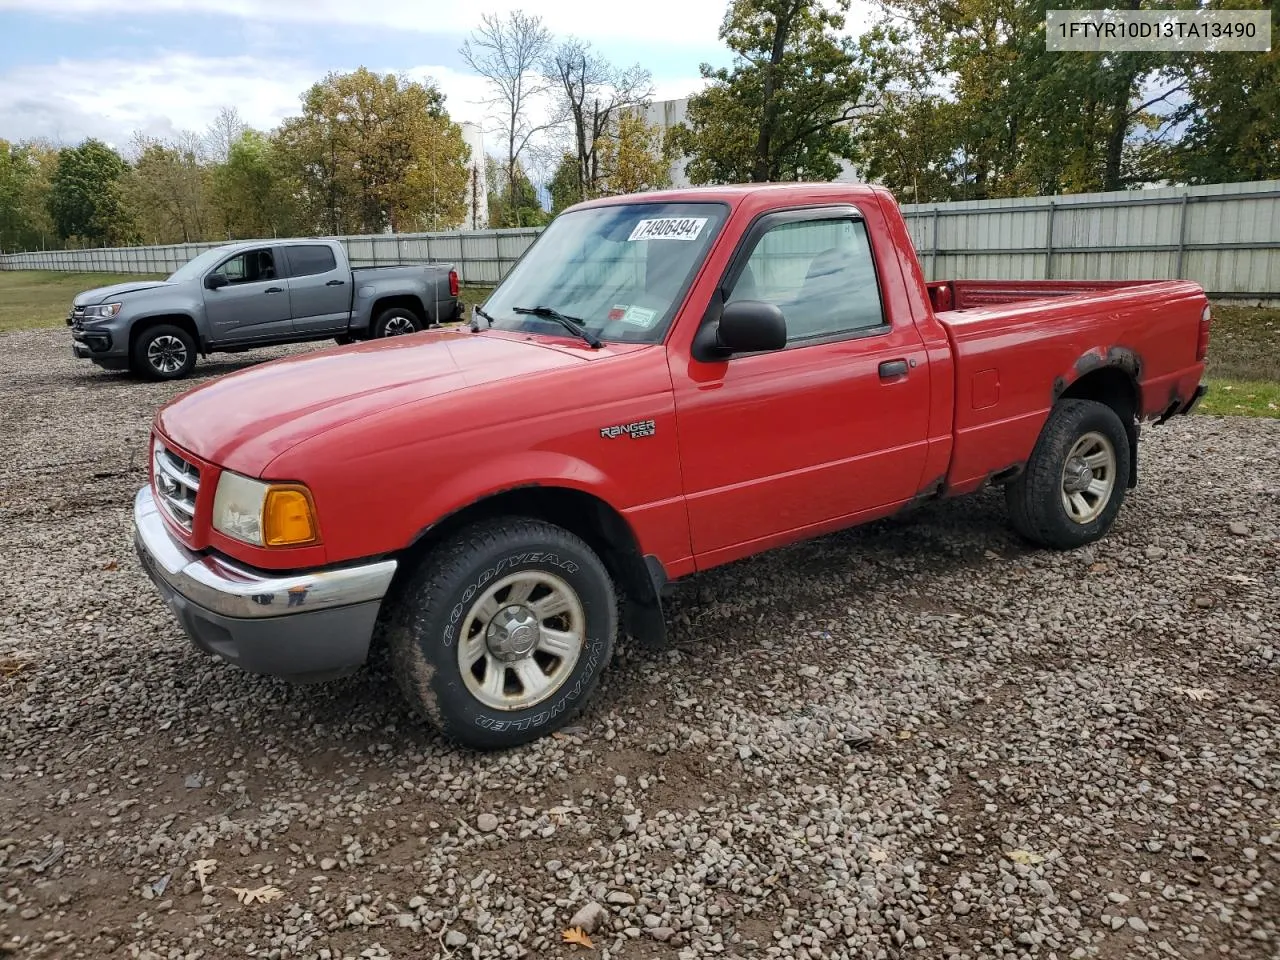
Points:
(215, 280)
(749, 326)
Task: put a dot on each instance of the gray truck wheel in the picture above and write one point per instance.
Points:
(500, 635)
(395, 322)
(1074, 483)
(163, 352)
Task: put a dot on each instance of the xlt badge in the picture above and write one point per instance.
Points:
(641, 428)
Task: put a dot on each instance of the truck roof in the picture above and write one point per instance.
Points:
(772, 193)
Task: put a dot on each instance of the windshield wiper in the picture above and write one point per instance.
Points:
(573, 324)
(479, 312)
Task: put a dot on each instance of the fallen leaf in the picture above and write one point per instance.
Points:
(904, 734)
(1099, 567)
(11, 667)
(991, 554)
(877, 855)
(203, 869)
(110, 565)
(1198, 694)
(1025, 857)
(578, 937)
(260, 895)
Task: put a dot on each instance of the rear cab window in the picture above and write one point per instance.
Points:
(308, 259)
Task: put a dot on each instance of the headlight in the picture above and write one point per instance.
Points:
(103, 311)
(264, 514)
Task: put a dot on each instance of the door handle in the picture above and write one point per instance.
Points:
(274, 290)
(335, 283)
(893, 368)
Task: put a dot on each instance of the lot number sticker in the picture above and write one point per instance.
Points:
(669, 228)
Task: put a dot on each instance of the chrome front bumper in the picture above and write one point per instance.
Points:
(312, 624)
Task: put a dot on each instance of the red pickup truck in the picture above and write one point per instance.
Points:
(664, 383)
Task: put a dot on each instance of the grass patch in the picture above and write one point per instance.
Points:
(1244, 344)
(1242, 398)
(42, 298)
(1243, 368)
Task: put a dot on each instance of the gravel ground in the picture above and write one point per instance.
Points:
(916, 739)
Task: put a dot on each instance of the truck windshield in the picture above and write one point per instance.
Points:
(621, 270)
(193, 269)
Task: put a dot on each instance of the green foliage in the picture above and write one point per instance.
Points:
(781, 111)
(1233, 115)
(253, 192)
(25, 172)
(373, 151)
(167, 192)
(85, 195)
(565, 186)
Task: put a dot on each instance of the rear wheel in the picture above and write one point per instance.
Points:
(164, 352)
(395, 322)
(1076, 479)
(500, 635)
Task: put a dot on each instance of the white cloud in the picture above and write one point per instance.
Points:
(672, 22)
(160, 95)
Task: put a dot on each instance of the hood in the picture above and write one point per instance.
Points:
(103, 294)
(245, 420)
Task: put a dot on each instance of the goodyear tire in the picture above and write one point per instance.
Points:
(1076, 479)
(500, 635)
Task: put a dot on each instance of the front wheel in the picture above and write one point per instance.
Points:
(500, 635)
(1075, 481)
(164, 352)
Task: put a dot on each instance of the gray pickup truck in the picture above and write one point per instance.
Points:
(254, 294)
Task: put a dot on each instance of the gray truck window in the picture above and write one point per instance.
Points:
(252, 266)
(819, 273)
(309, 259)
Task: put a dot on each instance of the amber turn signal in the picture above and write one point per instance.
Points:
(289, 517)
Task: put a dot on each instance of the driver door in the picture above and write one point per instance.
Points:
(254, 303)
(780, 444)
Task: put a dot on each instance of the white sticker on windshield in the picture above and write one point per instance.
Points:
(668, 228)
(639, 317)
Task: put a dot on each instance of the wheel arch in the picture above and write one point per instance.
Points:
(407, 301)
(181, 320)
(1113, 382)
(586, 515)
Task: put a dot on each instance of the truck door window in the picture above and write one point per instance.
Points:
(252, 266)
(820, 275)
(306, 260)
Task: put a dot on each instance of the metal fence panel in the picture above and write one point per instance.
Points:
(1224, 236)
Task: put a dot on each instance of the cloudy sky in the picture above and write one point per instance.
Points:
(70, 69)
(105, 68)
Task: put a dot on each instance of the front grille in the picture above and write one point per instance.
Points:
(176, 482)
(76, 318)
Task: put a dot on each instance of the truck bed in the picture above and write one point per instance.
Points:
(1020, 345)
(966, 294)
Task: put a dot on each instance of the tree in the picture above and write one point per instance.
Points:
(167, 191)
(223, 133)
(592, 94)
(1233, 115)
(85, 195)
(633, 159)
(25, 171)
(967, 95)
(373, 152)
(508, 54)
(565, 188)
(512, 203)
(781, 112)
(253, 192)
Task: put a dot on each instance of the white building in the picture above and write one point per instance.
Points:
(477, 217)
(665, 114)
